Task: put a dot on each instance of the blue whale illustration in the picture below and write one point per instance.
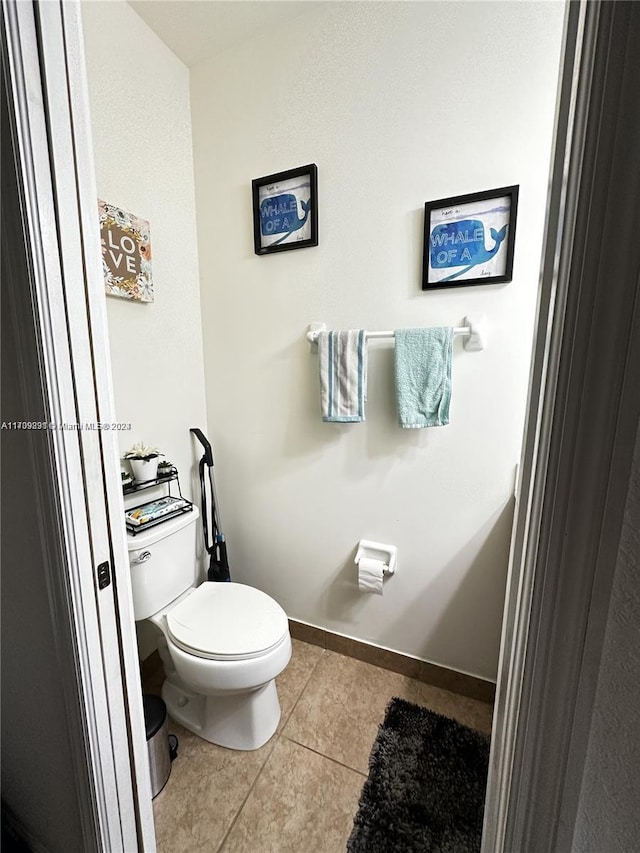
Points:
(279, 215)
(462, 244)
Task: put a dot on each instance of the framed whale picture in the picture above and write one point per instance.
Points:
(470, 239)
(285, 210)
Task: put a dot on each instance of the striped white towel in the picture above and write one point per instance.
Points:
(343, 375)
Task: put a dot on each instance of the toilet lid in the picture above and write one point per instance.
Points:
(227, 621)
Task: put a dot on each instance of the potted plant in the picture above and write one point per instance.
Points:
(143, 459)
(126, 477)
(165, 468)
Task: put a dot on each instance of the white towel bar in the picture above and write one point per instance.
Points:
(474, 329)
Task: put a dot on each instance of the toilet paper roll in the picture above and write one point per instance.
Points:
(370, 575)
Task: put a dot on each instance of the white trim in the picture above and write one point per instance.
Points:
(31, 133)
(530, 489)
(87, 192)
(577, 454)
(43, 51)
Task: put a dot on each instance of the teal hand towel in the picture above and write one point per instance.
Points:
(423, 376)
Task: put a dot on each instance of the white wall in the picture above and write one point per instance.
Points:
(397, 104)
(141, 122)
(140, 115)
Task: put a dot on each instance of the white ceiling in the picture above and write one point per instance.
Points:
(198, 29)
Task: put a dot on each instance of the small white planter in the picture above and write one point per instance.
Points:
(144, 469)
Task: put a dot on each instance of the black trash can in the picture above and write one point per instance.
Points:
(161, 746)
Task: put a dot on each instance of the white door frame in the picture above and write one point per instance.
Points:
(54, 161)
(584, 405)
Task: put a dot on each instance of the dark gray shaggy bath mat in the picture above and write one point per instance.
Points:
(426, 786)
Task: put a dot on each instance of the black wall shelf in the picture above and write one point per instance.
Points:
(135, 486)
(139, 485)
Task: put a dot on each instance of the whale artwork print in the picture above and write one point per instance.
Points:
(285, 211)
(460, 245)
(280, 214)
(470, 239)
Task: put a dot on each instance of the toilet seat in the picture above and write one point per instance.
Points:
(227, 621)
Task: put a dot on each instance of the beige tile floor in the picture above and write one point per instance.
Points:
(300, 791)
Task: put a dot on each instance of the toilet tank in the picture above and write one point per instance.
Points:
(163, 563)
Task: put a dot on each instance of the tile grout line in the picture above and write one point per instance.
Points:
(306, 684)
(276, 738)
(328, 757)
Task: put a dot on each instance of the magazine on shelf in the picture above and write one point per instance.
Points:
(154, 510)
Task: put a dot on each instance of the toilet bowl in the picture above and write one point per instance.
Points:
(222, 644)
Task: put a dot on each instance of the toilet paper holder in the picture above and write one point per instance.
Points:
(377, 551)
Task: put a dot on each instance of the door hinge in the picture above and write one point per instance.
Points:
(104, 575)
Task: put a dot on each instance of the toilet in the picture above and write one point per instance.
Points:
(222, 644)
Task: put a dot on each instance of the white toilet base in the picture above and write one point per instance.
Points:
(241, 721)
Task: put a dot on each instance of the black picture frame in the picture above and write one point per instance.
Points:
(280, 201)
(456, 232)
